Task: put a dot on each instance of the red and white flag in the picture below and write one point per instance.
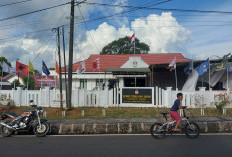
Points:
(96, 64)
(6, 68)
(172, 64)
(132, 38)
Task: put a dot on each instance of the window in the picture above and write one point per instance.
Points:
(83, 83)
(99, 82)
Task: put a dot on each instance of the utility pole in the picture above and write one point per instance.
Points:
(70, 63)
(65, 78)
(60, 75)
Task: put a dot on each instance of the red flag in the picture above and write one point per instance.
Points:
(96, 64)
(172, 65)
(57, 69)
(132, 38)
(22, 68)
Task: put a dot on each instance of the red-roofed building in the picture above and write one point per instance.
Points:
(40, 80)
(129, 69)
(4, 84)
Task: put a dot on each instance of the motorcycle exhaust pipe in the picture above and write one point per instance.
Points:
(10, 127)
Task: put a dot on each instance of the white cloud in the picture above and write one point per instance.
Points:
(161, 32)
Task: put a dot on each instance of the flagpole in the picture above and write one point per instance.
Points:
(202, 81)
(176, 78)
(209, 73)
(41, 78)
(99, 73)
(2, 76)
(28, 74)
(134, 60)
(227, 79)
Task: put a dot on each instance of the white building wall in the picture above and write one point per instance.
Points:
(16, 78)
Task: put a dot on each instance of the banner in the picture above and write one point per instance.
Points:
(190, 84)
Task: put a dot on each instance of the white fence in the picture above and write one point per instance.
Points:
(194, 99)
(51, 98)
(108, 98)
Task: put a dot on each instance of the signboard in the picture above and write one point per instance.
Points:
(135, 96)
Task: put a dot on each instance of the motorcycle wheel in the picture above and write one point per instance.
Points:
(192, 130)
(43, 131)
(157, 132)
(5, 132)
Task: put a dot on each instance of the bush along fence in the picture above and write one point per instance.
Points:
(162, 98)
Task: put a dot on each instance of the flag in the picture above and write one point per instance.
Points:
(189, 68)
(81, 69)
(6, 68)
(31, 68)
(132, 38)
(172, 64)
(21, 68)
(223, 65)
(203, 68)
(45, 69)
(96, 64)
(57, 69)
(230, 68)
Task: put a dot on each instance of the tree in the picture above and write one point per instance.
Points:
(3, 59)
(124, 46)
(15, 83)
(31, 82)
(37, 72)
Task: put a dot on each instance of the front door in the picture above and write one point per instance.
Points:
(130, 82)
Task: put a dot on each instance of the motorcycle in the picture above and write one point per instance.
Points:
(27, 121)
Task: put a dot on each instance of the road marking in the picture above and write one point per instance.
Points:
(102, 135)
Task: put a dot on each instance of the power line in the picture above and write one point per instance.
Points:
(92, 19)
(103, 17)
(3, 5)
(161, 9)
(87, 29)
(11, 17)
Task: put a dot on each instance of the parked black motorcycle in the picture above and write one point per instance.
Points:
(29, 120)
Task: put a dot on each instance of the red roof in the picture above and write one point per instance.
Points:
(116, 61)
(2, 79)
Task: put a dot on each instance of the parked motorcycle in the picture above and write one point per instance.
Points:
(29, 120)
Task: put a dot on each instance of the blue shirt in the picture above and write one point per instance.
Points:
(175, 106)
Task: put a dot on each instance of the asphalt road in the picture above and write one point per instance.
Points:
(116, 146)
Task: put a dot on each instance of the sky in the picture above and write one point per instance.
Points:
(196, 35)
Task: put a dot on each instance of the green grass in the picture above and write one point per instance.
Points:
(112, 112)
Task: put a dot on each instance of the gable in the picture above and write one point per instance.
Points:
(135, 62)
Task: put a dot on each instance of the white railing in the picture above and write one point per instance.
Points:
(194, 99)
(107, 98)
(51, 98)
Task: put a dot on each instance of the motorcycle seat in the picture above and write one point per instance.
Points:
(11, 114)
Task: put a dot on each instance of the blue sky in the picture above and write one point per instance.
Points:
(196, 35)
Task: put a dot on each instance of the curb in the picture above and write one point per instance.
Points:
(129, 128)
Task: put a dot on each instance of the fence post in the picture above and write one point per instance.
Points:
(107, 97)
(26, 97)
(156, 96)
(160, 96)
(103, 112)
(224, 110)
(181, 112)
(202, 111)
(82, 113)
(77, 97)
(12, 101)
(47, 96)
(168, 96)
(19, 95)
